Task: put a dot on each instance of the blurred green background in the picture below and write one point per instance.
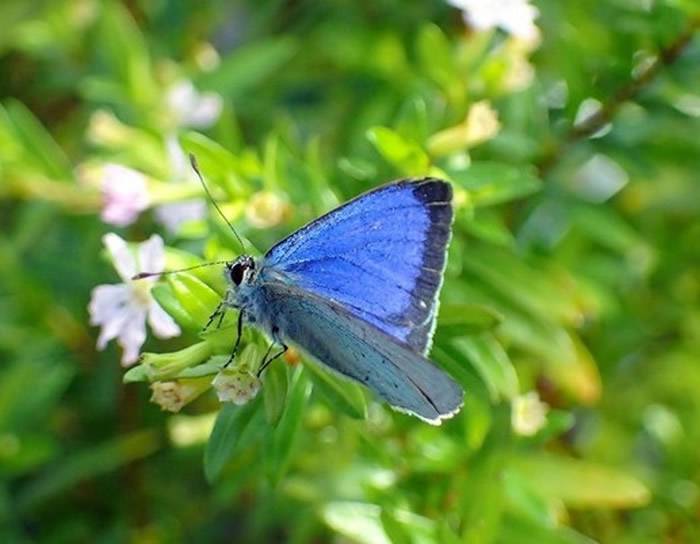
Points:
(570, 311)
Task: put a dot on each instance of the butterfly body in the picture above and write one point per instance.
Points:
(357, 290)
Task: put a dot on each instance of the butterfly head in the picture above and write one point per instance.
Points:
(241, 270)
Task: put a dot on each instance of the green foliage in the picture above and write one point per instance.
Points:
(570, 310)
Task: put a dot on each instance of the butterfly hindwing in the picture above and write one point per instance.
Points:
(359, 351)
(381, 256)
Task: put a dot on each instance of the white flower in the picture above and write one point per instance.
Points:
(122, 309)
(236, 385)
(528, 414)
(172, 216)
(124, 194)
(517, 17)
(192, 108)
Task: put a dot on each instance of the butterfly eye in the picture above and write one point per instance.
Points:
(236, 273)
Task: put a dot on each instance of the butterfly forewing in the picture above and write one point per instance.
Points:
(380, 256)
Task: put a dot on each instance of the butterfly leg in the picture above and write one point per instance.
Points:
(219, 312)
(266, 362)
(239, 328)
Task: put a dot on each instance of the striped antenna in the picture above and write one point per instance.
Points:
(142, 275)
(193, 162)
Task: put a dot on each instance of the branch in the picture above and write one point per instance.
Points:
(592, 124)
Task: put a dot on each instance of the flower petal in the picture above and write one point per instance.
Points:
(192, 108)
(160, 321)
(172, 216)
(206, 110)
(179, 165)
(122, 258)
(124, 194)
(106, 302)
(113, 327)
(132, 336)
(152, 255)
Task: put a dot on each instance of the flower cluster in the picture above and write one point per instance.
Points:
(516, 17)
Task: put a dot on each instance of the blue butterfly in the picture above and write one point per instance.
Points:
(357, 290)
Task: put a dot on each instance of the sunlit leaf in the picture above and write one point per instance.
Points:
(582, 484)
(407, 156)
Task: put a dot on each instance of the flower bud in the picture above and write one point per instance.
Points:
(161, 366)
(528, 414)
(265, 209)
(106, 130)
(481, 125)
(236, 385)
(195, 296)
(171, 396)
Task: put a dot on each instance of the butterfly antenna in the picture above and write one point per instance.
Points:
(195, 167)
(142, 275)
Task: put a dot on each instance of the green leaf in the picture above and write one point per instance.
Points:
(488, 227)
(395, 530)
(165, 366)
(412, 121)
(210, 368)
(45, 153)
(216, 163)
(407, 156)
(403, 526)
(196, 297)
(492, 183)
(248, 66)
(538, 291)
(516, 530)
(435, 55)
(122, 45)
(284, 438)
(492, 363)
(165, 296)
(275, 392)
(611, 231)
(465, 319)
(144, 372)
(341, 394)
(582, 484)
(135, 374)
(227, 436)
(483, 501)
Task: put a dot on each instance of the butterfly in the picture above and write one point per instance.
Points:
(357, 290)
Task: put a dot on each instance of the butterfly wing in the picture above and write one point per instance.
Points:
(357, 350)
(381, 256)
